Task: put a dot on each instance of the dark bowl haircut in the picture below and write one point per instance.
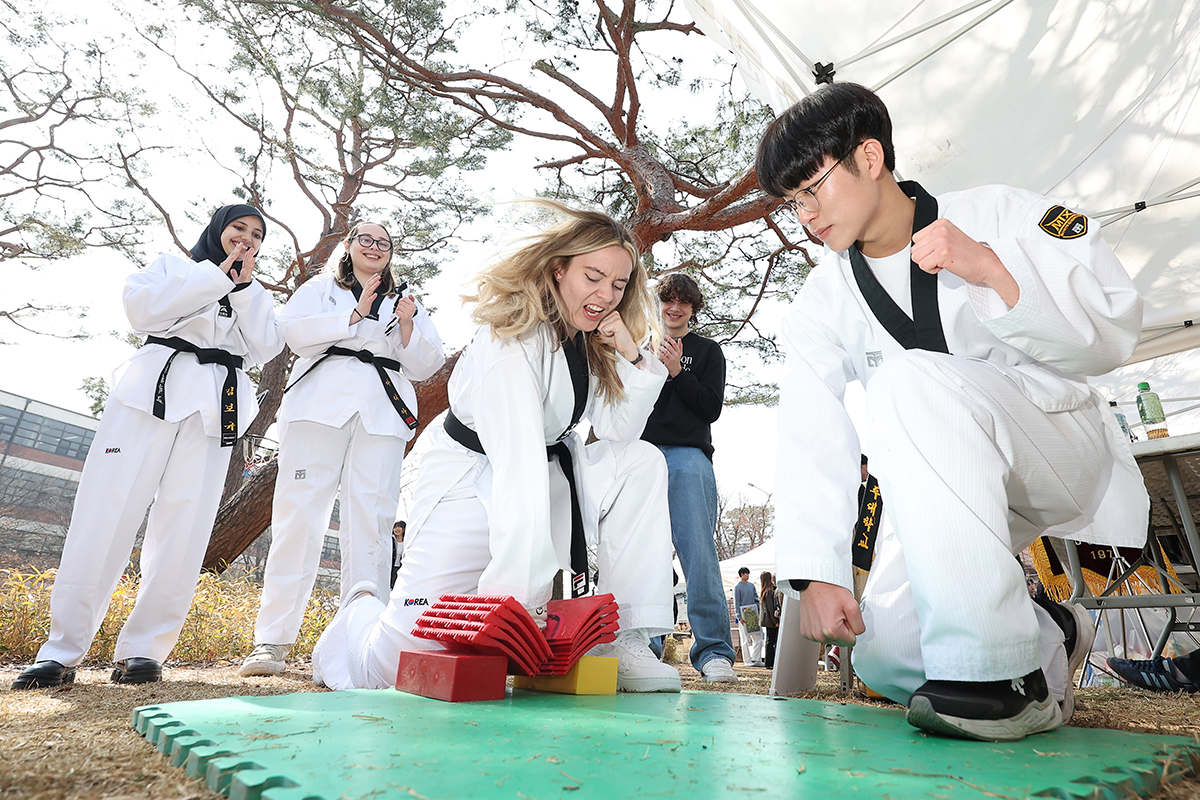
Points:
(209, 248)
(830, 122)
(681, 288)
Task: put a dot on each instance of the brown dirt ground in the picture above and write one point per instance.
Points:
(77, 743)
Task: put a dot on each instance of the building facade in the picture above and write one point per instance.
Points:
(42, 448)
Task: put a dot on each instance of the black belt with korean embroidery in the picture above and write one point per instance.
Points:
(205, 355)
(924, 330)
(380, 363)
(577, 365)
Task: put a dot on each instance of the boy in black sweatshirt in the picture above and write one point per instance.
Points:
(689, 403)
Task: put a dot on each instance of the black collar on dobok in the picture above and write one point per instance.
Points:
(576, 352)
(356, 289)
(576, 357)
(381, 364)
(205, 355)
(924, 330)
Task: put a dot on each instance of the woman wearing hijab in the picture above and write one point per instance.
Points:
(508, 492)
(166, 435)
(345, 421)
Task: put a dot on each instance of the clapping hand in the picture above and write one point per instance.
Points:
(670, 353)
(245, 254)
(365, 300)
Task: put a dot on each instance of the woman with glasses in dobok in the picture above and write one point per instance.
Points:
(347, 415)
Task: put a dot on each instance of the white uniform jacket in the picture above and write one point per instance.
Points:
(1078, 314)
(176, 296)
(316, 318)
(516, 394)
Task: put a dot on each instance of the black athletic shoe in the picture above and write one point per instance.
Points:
(1079, 631)
(991, 711)
(44, 674)
(137, 670)
(1157, 675)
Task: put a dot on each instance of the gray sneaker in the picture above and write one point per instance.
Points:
(718, 670)
(267, 659)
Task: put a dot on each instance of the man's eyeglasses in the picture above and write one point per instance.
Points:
(806, 199)
(368, 242)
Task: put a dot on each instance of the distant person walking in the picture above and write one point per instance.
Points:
(745, 603)
(771, 603)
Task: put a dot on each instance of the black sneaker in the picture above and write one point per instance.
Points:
(44, 674)
(137, 670)
(1157, 675)
(991, 711)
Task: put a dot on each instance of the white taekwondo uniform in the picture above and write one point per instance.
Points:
(500, 524)
(338, 427)
(176, 461)
(978, 452)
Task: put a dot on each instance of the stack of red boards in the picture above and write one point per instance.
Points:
(491, 625)
(573, 627)
(486, 625)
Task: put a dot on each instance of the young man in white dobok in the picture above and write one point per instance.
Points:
(971, 319)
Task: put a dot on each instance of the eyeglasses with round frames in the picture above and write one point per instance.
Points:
(368, 242)
(811, 204)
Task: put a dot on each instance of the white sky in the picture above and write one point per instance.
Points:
(52, 370)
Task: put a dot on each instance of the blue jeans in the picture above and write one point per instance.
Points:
(692, 497)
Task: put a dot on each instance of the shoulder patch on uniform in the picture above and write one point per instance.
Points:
(1063, 223)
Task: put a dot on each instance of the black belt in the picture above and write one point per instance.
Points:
(380, 363)
(205, 355)
(580, 580)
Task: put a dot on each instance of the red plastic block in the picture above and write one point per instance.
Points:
(453, 677)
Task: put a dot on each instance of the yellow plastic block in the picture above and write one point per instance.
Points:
(592, 675)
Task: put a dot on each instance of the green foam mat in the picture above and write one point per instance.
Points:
(374, 744)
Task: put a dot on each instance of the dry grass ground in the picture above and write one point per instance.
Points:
(76, 743)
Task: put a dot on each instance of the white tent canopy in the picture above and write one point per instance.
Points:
(758, 560)
(1095, 103)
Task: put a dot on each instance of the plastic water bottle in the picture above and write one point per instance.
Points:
(1151, 410)
(1122, 420)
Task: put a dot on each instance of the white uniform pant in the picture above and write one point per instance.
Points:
(972, 472)
(622, 488)
(134, 459)
(752, 644)
(313, 460)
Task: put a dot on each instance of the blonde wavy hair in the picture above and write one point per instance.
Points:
(518, 292)
(343, 268)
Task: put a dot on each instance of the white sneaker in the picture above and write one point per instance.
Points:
(718, 670)
(266, 659)
(638, 669)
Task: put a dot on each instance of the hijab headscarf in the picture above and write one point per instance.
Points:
(209, 246)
